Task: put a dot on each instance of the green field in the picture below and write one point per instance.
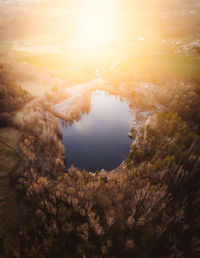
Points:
(43, 61)
(163, 65)
(160, 63)
(5, 46)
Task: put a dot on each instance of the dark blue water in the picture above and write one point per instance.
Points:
(99, 140)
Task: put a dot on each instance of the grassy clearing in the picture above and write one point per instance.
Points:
(35, 88)
(44, 61)
(33, 37)
(8, 160)
(8, 157)
(174, 64)
(165, 65)
(5, 46)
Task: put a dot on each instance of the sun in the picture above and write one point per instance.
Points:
(94, 26)
(96, 20)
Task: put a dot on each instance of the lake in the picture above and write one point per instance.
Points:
(99, 139)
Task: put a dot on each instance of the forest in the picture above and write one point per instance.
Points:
(150, 208)
(147, 207)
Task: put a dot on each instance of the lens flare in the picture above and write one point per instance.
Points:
(96, 21)
(94, 27)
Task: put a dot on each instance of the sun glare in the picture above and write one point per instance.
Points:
(96, 20)
(94, 26)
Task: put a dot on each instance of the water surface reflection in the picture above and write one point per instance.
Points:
(99, 139)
